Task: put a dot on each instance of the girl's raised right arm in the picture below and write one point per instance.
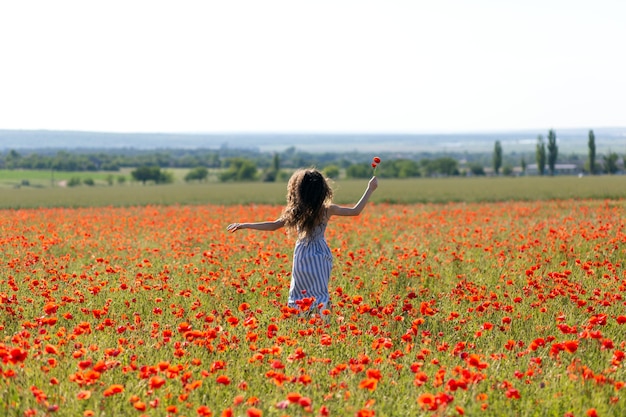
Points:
(335, 210)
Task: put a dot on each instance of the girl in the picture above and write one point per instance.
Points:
(309, 208)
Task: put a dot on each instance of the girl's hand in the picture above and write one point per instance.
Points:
(373, 184)
(233, 227)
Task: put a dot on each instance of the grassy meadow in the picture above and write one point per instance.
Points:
(401, 191)
(451, 297)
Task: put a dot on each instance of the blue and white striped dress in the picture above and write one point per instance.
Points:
(312, 263)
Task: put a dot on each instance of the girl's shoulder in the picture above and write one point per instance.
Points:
(331, 210)
(328, 212)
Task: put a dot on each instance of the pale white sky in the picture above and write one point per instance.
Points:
(312, 66)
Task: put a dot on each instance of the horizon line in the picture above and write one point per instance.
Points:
(318, 132)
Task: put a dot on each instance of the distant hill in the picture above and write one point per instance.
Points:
(569, 141)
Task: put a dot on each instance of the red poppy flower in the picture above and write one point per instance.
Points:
(204, 411)
(293, 397)
(223, 379)
(305, 402)
(369, 384)
(113, 389)
(254, 412)
(375, 162)
(427, 401)
(156, 382)
(571, 345)
(17, 355)
(83, 395)
(51, 349)
(184, 327)
(140, 406)
(513, 394)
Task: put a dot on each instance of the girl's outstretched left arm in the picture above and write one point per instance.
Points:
(335, 210)
(267, 226)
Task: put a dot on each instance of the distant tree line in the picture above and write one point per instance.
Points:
(107, 161)
(233, 165)
(253, 165)
(546, 156)
(116, 159)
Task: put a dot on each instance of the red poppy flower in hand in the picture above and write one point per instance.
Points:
(375, 162)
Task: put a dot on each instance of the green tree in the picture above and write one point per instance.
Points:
(477, 169)
(239, 169)
(402, 168)
(441, 166)
(165, 177)
(447, 166)
(553, 151)
(592, 152)
(362, 170)
(271, 174)
(197, 174)
(151, 173)
(276, 162)
(523, 164)
(540, 155)
(610, 163)
(331, 171)
(427, 167)
(12, 160)
(497, 157)
(74, 182)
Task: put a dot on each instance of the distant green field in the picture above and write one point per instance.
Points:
(420, 190)
(38, 178)
(42, 178)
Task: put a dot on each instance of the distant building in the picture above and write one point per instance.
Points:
(559, 169)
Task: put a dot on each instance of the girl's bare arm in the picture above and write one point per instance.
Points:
(266, 226)
(335, 210)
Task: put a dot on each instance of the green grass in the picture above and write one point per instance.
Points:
(420, 190)
(11, 178)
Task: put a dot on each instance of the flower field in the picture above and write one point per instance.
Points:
(512, 308)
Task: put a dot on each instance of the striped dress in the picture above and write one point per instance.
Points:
(312, 263)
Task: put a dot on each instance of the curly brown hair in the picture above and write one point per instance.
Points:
(308, 196)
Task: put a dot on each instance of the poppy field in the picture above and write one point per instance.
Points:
(493, 308)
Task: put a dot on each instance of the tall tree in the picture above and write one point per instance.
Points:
(553, 150)
(271, 173)
(540, 155)
(592, 152)
(276, 162)
(497, 157)
(610, 163)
